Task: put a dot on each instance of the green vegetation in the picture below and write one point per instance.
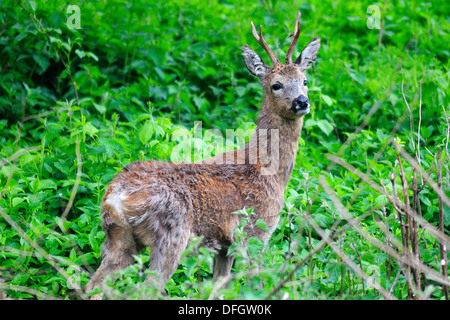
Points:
(76, 105)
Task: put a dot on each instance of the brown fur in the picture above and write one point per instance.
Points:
(161, 205)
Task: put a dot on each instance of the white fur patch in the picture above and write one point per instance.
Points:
(114, 201)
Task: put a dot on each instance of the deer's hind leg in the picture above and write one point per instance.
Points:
(165, 228)
(222, 264)
(119, 247)
(165, 253)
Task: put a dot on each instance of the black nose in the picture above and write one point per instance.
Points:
(300, 103)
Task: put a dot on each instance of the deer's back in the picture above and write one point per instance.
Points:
(200, 198)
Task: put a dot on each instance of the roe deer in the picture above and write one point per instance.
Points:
(161, 205)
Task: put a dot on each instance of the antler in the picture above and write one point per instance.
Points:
(263, 43)
(295, 36)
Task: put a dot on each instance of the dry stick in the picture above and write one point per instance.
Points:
(426, 176)
(441, 224)
(448, 132)
(344, 257)
(32, 291)
(219, 286)
(420, 121)
(379, 152)
(411, 119)
(42, 29)
(378, 155)
(380, 33)
(384, 225)
(318, 247)
(41, 251)
(410, 221)
(360, 265)
(77, 180)
(396, 278)
(18, 153)
(426, 225)
(405, 227)
(408, 218)
(412, 261)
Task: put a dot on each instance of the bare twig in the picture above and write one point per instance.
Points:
(32, 291)
(408, 228)
(43, 30)
(426, 225)
(396, 278)
(218, 286)
(77, 180)
(344, 257)
(410, 261)
(41, 251)
(441, 224)
(426, 176)
(448, 132)
(360, 265)
(380, 32)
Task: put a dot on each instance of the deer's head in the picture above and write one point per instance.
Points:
(285, 85)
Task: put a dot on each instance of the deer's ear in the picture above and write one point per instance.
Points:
(308, 55)
(254, 62)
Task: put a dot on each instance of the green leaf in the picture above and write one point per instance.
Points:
(91, 55)
(327, 99)
(81, 54)
(255, 244)
(381, 200)
(48, 184)
(17, 201)
(43, 63)
(262, 224)
(89, 129)
(333, 271)
(325, 126)
(146, 132)
(357, 77)
(100, 108)
(309, 123)
(446, 216)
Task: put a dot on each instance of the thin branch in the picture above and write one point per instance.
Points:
(408, 228)
(425, 224)
(380, 32)
(42, 29)
(41, 295)
(346, 259)
(448, 133)
(77, 180)
(427, 178)
(441, 224)
(41, 251)
(410, 261)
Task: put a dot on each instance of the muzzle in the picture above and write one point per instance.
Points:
(300, 105)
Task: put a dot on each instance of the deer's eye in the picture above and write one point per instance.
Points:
(305, 82)
(276, 86)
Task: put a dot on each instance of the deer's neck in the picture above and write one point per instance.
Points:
(282, 143)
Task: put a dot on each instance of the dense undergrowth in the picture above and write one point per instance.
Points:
(78, 104)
